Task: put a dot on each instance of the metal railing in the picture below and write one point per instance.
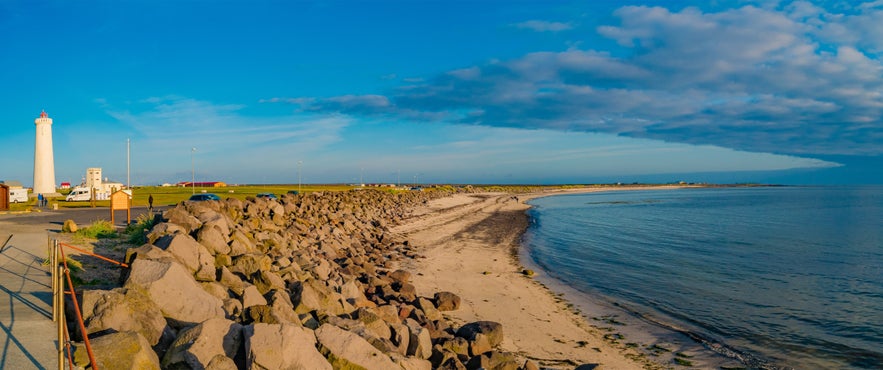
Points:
(60, 274)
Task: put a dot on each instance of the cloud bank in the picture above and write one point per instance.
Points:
(794, 78)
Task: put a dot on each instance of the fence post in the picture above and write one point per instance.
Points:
(59, 303)
(53, 263)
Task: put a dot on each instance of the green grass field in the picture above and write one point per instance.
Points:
(171, 195)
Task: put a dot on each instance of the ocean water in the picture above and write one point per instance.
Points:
(790, 276)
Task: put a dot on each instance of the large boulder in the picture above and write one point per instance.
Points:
(250, 263)
(149, 252)
(492, 330)
(181, 217)
(282, 346)
(122, 350)
(314, 295)
(213, 239)
(69, 226)
(240, 243)
(197, 346)
(252, 297)
(122, 310)
(420, 342)
(346, 350)
(175, 291)
(164, 228)
(266, 281)
(446, 301)
(493, 360)
(191, 254)
(429, 309)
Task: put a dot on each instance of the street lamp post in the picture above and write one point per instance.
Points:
(299, 163)
(192, 171)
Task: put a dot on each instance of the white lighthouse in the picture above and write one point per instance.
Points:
(44, 161)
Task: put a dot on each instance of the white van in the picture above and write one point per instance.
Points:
(82, 194)
(18, 195)
(78, 194)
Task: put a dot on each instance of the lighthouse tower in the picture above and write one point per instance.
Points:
(44, 161)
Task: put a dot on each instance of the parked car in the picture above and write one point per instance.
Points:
(293, 192)
(206, 196)
(267, 195)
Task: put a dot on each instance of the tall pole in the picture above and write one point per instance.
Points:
(128, 158)
(299, 163)
(192, 171)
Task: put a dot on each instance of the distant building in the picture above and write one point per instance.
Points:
(65, 185)
(93, 181)
(206, 184)
(12, 184)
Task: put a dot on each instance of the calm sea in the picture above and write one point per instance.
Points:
(791, 275)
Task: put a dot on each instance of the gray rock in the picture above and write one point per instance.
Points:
(122, 350)
(213, 239)
(216, 289)
(252, 297)
(162, 229)
(266, 281)
(493, 360)
(240, 244)
(400, 276)
(313, 295)
(411, 363)
(429, 309)
(420, 343)
(282, 346)
(122, 310)
(344, 350)
(232, 308)
(189, 253)
(250, 263)
(198, 346)
(181, 217)
(446, 301)
(492, 330)
(231, 281)
(175, 291)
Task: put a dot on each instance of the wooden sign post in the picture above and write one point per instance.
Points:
(120, 200)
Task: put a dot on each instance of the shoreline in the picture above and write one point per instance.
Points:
(474, 246)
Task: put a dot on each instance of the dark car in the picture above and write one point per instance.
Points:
(206, 196)
(293, 192)
(267, 195)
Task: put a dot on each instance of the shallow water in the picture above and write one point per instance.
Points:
(791, 276)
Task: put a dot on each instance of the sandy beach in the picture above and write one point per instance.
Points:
(471, 244)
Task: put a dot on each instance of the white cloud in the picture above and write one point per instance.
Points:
(544, 26)
(748, 78)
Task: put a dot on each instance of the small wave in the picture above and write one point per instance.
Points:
(626, 202)
(707, 341)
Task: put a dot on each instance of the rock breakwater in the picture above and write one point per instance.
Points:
(303, 282)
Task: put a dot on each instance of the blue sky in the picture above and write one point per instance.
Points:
(447, 91)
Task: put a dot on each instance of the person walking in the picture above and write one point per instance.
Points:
(150, 203)
(40, 200)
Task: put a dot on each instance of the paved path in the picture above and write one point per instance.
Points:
(27, 333)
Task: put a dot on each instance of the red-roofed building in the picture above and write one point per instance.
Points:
(207, 184)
